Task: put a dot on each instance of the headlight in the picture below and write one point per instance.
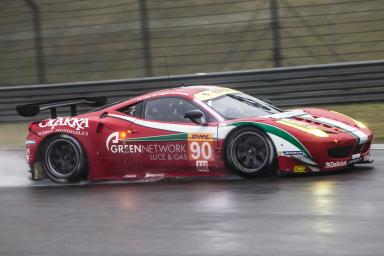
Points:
(360, 124)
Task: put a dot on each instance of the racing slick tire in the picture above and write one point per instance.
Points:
(250, 153)
(63, 159)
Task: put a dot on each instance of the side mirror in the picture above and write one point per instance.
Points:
(196, 116)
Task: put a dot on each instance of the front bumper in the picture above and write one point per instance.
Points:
(328, 157)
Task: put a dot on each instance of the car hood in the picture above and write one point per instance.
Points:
(307, 119)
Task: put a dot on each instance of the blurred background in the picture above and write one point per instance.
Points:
(85, 40)
(64, 41)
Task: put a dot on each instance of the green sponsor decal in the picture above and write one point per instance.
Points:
(171, 137)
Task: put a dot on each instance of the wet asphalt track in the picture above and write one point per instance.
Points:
(333, 214)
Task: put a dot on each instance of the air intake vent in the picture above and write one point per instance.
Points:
(340, 152)
(357, 149)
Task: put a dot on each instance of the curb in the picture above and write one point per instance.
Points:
(377, 146)
(12, 149)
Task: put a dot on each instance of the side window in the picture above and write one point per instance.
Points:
(168, 110)
(132, 110)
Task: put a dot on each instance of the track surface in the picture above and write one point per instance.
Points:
(333, 214)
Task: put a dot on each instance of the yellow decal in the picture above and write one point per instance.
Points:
(303, 127)
(299, 169)
(200, 146)
(213, 93)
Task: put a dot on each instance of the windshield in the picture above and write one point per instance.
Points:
(240, 105)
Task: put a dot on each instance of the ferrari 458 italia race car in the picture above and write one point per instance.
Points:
(189, 131)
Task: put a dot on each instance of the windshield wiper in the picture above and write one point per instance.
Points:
(251, 102)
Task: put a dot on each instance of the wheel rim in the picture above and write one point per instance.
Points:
(62, 158)
(250, 152)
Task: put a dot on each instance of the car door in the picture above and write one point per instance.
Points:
(116, 157)
(171, 144)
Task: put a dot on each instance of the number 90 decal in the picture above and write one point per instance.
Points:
(201, 151)
(200, 146)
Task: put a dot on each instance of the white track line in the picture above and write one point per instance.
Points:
(377, 146)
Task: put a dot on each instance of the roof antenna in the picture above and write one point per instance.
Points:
(166, 66)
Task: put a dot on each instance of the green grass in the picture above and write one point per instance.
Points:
(12, 135)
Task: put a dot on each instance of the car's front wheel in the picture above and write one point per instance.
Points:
(250, 153)
(63, 159)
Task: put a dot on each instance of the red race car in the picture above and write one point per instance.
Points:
(189, 131)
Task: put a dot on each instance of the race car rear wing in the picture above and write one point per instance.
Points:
(34, 108)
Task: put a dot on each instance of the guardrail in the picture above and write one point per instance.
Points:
(303, 85)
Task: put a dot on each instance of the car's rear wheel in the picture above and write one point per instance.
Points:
(250, 153)
(63, 159)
